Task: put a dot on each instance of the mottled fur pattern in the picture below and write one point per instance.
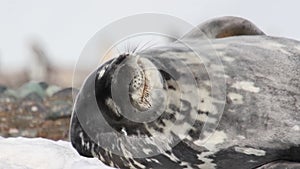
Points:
(260, 122)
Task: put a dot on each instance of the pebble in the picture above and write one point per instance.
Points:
(13, 131)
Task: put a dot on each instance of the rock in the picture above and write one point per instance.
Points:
(33, 97)
(2, 89)
(60, 104)
(29, 133)
(32, 103)
(32, 87)
(13, 131)
(10, 92)
(44, 85)
(51, 89)
(67, 93)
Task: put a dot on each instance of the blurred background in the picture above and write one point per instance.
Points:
(40, 42)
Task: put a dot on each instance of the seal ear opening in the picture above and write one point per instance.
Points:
(223, 27)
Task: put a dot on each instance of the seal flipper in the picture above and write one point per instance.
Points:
(78, 137)
(224, 27)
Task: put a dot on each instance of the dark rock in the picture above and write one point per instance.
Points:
(2, 89)
(66, 93)
(59, 109)
(44, 85)
(60, 104)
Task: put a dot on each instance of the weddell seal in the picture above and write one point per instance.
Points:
(157, 108)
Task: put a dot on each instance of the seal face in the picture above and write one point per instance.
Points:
(134, 85)
(150, 95)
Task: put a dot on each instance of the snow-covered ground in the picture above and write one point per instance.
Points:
(38, 153)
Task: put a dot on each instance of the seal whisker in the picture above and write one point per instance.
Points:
(142, 50)
(135, 49)
(119, 53)
(143, 46)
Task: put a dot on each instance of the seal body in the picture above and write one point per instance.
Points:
(260, 122)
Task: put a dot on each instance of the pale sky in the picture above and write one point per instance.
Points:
(64, 27)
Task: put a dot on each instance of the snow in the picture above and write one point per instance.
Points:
(39, 153)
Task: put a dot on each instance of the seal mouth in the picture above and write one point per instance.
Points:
(136, 85)
(140, 88)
